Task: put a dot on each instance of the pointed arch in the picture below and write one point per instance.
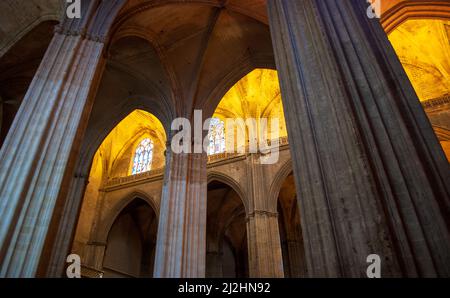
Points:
(105, 226)
(231, 182)
(274, 190)
(400, 10)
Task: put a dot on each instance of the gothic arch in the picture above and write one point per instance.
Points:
(403, 10)
(90, 146)
(262, 57)
(126, 14)
(277, 182)
(34, 20)
(19, 64)
(28, 28)
(231, 182)
(235, 73)
(105, 225)
(135, 31)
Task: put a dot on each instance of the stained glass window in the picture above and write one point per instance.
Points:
(216, 136)
(143, 157)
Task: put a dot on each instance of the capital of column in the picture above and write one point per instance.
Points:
(265, 213)
(79, 32)
(95, 21)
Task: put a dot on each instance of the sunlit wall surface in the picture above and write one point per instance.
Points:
(117, 151)
(423, 47)
(115, 158)
(256, 96)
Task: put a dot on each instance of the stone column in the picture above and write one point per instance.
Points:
(264, 247)
(295, 254)
(371, 176)
(181, 241)
(94, 251)
(36, 152)
(56, 249)
(263, 235)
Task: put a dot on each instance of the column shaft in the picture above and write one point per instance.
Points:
(264, 247)
(263, 235)
(37, 150)
(371, 176)
(181, 241)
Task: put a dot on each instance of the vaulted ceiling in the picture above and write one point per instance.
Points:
(171, 57)
(423, 47)
(117, 149)
(200, 43)
(18, 17)
(255, 96)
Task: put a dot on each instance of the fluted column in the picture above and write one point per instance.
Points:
(263, 235)
(181, 240)
(293, 250)
(264, 247)
(58, 248)
(371, 176)
(36, 152)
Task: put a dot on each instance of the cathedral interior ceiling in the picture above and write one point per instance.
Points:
(194, 40)
(255, 96)
(423, 47)
(17, 18)
(116, 151)
(168, 58)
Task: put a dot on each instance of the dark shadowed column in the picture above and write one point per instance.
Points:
(371, 176)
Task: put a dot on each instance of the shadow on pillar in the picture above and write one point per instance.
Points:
(292, 246)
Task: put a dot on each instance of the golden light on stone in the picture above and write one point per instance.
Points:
(423, 47)
(117, 150)
(257, 96)
(359, 176)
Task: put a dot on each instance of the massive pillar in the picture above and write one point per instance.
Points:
(181, 240)
(291, 240)
(36, 152)
(263, 235)
(371, 176)
(264, 247)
